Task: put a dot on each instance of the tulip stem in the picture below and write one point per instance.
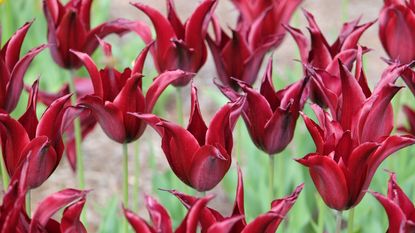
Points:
(338, 221)
(271, 176)
(125, 181)
(29, 203)
(179, 106)
(78, 141)
(136, 175)
(350, 222)
(4, 175)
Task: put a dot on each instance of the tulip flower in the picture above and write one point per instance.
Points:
(396, 23)
(263, 20)
(117, 93)
(41, 139)
(398, 207)
(13, 68)
(161, 220)
(69, 27)
(351, 145)
(408, 77)
(199, 155)
(271, 115)
(212, 221)
(179, 45)
(323, 58)
(410, 115)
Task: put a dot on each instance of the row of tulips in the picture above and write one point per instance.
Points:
(352, 135)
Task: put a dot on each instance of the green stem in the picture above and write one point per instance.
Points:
(338, 221)
(136, 175)
(179, 106)
(125, 181)
(239, 142)
(4, 175)
(29, 203)
(350, 221)
(271, 177)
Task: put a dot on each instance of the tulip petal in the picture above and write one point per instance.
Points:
(159, 216)
(71, 218)
(29, 119)
(11, 50)
(189, 223)
(225, 226)
(396, 194)
(328, 179)
(196, 125)
(137, 223)
(396, 216)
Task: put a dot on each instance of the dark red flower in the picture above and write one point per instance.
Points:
(199, 155)
(398, 207)
(323, 58)
(352, 141)
(41, 139)
(271, 115)
(13, 68)
(69, 27)
(213, 222)
(396, 23)
(410, 116)
(179, 45)
(116, 94)
(161, 221)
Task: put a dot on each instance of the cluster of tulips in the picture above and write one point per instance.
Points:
(352, 134)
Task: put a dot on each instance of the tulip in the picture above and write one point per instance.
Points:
(323, 58)
(41, 139)
(263, 20)
(351, 145)
(410, 115)
(69, 27)
(117, 93)
(179, 45)
(199, 155)
(13, 68)
(396, 23)
(161, 220)
(212, 221)
(271, 115)
(398, 207)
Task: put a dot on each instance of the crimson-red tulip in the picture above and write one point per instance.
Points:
(410, 116)
(179, 45)
(398, 207)
(214, 222)
(271, 115)
(396, 24)
(199, 155)
(69, 27)
(353, 140)
(319, 55)
(161, 220)
(13, 68)
(41, 139)
(116, 94)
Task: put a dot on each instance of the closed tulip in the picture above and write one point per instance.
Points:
(199, 155)
(396, 24)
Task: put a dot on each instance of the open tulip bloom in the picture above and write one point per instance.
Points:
(213, 222)
(398, 207)
(271, 115)
(396, 23)
(117, 93)
(200, 156)
(69, 28)
(13, 68)
(179, 45)
(353, 140)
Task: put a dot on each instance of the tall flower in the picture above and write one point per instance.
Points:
(353, 140)
(258, 31)
(40, 140)
(212, 221)
(398, 207)
(117, 93)
(200, 156)
(179, 45)
(13, 68)
(396, 23)
(69, 27)
(271, 115)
